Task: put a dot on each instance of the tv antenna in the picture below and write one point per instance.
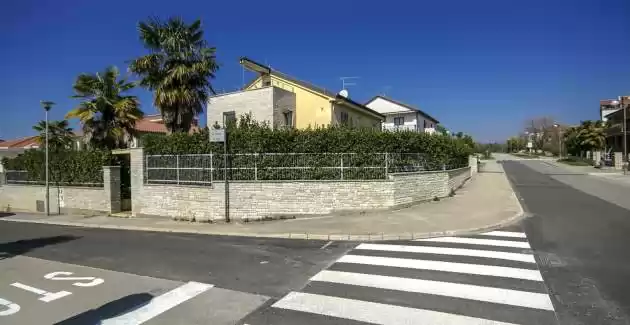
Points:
(348, 81)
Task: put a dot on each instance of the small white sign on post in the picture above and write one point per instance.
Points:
(529, 145)
(217, 135)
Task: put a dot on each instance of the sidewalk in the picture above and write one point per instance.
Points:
(484, 203)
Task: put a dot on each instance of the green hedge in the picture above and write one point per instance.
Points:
(66, 167)
(438, 151)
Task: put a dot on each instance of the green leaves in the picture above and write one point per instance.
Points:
(67, 167)
(248, 136)
(588, 136)
(177, 70)
(60, 136)
(107, 114)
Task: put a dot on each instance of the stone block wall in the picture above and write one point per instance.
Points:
(258, 200)
(618, 160)
(64, 199)
(417, 187)
(457, 178)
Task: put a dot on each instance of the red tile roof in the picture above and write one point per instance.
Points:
(153, 124)
(26, 142)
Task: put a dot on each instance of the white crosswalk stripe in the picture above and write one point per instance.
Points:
(529, 258)
(448, 280)
(478, 241)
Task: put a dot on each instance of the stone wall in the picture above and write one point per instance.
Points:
(259, 200)
(457, 178)
(64, 199)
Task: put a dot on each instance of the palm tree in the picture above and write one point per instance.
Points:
(177, 70)
(107, 114)
(60, 136)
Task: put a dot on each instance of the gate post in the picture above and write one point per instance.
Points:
(136, 164)
(111, 185)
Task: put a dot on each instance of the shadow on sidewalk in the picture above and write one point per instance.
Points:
(23, 246)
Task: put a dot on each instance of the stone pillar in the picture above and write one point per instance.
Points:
(111, 185)
(472, 163)
(597, 157)
(618, 160)
(588, 155)
(136, 157)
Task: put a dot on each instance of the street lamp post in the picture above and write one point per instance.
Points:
(47, 105)
(557, 126)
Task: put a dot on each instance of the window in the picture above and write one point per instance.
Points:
(425, 124)
(399, 120)
(343, 117)
(288, 118)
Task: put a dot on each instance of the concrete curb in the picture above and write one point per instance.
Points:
(305, 236)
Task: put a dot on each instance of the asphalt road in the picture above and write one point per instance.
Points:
(66, 275)
(580, 231)
(566, 263)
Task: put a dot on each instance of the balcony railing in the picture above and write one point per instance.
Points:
(389, 127)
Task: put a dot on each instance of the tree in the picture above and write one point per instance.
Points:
(177, 70)
(441, 129)
(108, 116)
(60, 136)
(588, 136)
(540, 129)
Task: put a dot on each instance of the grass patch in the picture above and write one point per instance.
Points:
(525, 155)
(576, 161)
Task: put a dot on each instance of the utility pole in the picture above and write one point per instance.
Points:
(47, 105)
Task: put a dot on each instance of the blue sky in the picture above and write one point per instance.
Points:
(481, 67)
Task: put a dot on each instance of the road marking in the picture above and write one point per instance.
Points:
(326, 245)
(448, 289)
(371, 312)
(160, 304)
(450, 251)
(65, 276)
(12, 308)
(478, 241)
(505, 234)
(47, 296)
(490, 270)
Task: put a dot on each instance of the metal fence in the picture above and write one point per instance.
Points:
(203, 169)
(25, 178)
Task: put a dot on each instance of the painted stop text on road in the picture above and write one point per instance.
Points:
(7, 307)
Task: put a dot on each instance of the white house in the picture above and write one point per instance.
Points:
(400, 116)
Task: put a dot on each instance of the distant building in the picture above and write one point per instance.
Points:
(614, 116)
(284, 101)
(400, 116)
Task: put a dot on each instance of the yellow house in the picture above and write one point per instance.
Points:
(286, 101)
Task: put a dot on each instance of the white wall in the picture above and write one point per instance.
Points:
(384, 106)
(392, 110)
(258, 102)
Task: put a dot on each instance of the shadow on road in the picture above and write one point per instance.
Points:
(109, 310)
(6, 214)
(20, 247)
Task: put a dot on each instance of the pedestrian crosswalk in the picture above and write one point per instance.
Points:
(489, 278)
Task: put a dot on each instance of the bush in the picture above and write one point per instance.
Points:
(251, 137)
(66, 167)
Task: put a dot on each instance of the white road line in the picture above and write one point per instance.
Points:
(478, 241)
(529, 258)
(160, 304)
(374, 313)
(448, 289)
(505, 234)
(490, 270)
